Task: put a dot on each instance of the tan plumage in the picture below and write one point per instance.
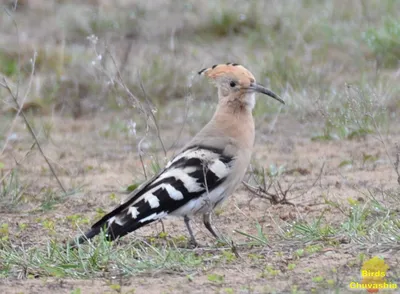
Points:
(206, 171)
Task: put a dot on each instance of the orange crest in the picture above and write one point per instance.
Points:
(229, 70)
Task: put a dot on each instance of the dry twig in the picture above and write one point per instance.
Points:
(395, 164)
(279, 196)
(19, 106)
(30, 129)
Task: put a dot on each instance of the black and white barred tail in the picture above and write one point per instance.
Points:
(191, 182)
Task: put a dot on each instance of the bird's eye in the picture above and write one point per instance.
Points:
(232, 84)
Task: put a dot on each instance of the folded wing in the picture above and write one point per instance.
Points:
(193, 173)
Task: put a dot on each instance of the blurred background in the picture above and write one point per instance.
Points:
(305, 50)
(105, 80)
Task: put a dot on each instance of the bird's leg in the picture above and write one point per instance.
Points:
(207, 224)
(192, 240)
(162, 226)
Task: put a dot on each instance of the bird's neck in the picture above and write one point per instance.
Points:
(235, 120)
(235, 107)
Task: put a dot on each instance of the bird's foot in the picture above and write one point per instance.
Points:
(192, 244)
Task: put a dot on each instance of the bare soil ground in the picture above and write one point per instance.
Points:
(103, 166)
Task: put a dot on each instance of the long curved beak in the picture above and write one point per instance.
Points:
(263, 90)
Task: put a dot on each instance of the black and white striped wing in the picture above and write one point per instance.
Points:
(195, 172)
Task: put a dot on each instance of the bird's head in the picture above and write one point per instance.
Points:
(236, 83)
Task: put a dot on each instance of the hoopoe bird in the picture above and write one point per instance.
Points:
(206, 171)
